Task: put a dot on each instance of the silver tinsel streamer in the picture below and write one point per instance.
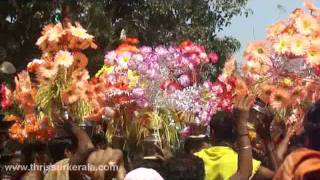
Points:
(183, 100)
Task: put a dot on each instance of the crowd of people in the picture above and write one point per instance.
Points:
(226, 154)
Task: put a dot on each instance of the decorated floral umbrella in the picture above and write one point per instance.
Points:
(283, 70)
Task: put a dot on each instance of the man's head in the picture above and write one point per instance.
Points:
(35, 152)
(312, 127)
(61, 148)
(193, 145)
(186, 167)
(222, 129)
(99, 141)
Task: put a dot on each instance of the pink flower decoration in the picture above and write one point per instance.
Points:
(184, 80)
(213, 57)
(217, 88)
(5, 104)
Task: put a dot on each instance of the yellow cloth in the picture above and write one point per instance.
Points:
(59, 171)
(221, 162)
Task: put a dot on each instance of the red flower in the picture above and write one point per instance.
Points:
(317, 69)
(131, 40)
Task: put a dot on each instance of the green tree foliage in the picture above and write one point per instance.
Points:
(152, 21)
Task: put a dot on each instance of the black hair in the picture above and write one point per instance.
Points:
(30, 150)
(184, 167)
(312, 126)
(99, 140)
(221, 126)
(58, 146)
(194, 144)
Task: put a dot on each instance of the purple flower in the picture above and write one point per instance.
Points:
(110, 57)
(143, 103)
(137, 92)
(145, 49)
(161, 50)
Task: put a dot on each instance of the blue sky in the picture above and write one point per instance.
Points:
(265, 12)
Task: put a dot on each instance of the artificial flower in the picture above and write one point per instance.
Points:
(47, 71)
(130, 40)
(51, 35)
(257, 67)
(213, 57)
(258, 50)
(79, 32)
(55, 32)
(296, 13)
(290, 30)
(5, 97)
(298, 94)
(126, 48)
(241, 88)
(16, 131)
(12, 117)
(80, 60)
(313, 55)
(71, 95)
(265, 91)
(299, 45)
(34, 65)
(64, 58)
(306, 24)
(275, 29)
(282, 44)
(315, 38)
(279, 99)
(229, 66)
(23, 82)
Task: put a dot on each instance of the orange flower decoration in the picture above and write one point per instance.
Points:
(185, 43)
(126, 48)
(298, 94)
(34, 66)
(12, 117)
(80, 60)
(16, 131)
(70, 96)
(258, 50)
(276, 29)
(96, 115)
(313, 55)
(296, 13)
(241, 88)
(47, 71)
(265, 91)
(279, 99)
(131, 40)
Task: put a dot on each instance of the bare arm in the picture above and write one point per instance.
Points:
(282, 148)
(245, 153)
